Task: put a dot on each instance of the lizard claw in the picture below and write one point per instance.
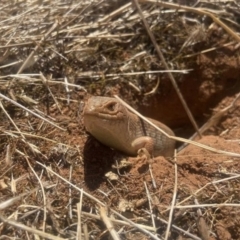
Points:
(143, 153)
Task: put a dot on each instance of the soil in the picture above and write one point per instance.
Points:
(203, 177)
(206, 183)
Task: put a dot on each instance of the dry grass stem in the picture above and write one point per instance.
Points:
(85, 231)
(198, 11)
(202, 225)
(214, 120)
(29, 229)
(202, 188)
(178, 138)
(73, 186)
(43, 195)
(70, 194)
(181, 230)
(150, 206)
(154, 90)
(108, 223)
(120, 222)
(209, 50)
(167, 234)
(178, 228)
(13, 123)
(162, 58)
(45, 82)
(100, 203)
(30, 57)
(79, 223)
(9, 202)
(28, 110)
(54, 55)
(152, 177)
(208, 205)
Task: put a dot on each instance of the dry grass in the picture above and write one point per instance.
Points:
(52, 53)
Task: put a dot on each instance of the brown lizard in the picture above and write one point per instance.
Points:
(114, 125)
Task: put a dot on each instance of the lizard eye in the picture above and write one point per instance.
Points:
(111, 106)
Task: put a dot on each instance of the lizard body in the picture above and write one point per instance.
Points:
(114, 125)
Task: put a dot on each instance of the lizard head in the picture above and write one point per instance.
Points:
(104, 119)
(104, 108)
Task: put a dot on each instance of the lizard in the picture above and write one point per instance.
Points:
(112, 124)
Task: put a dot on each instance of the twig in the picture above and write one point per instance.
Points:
(43, 195)
(213, 121)
(28, 229)
(9, 154)
(201, 224)
(70, 194)
(108, 223)
(152, 177)
(201, 11)
(45, 83)
(37, 47)
(116, 221)
(208, 50)
(213, 205)
(178, 138)
(161, 57)
(33, 113)
(11, 201)
(173, 199)
(150, 206)
(100, 203)
(202, 188)
(79, 214)
(115, 13)
(153, 91)
(181, 230)
(13, 123)
(85, 231)
(35, 136)
(67, 90)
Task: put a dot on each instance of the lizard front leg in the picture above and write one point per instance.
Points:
(143, 142)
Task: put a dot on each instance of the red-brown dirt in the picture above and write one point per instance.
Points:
(125, 184)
